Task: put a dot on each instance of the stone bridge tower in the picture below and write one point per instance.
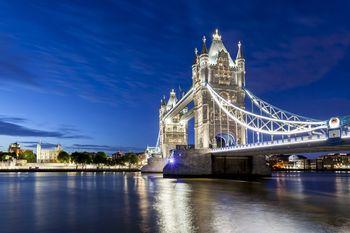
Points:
(173, 131)
(227, 77)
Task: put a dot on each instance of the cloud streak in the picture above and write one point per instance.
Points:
(45, 145)
(92, 147)
(298, 62)
(9, 126)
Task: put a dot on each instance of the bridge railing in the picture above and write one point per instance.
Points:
(281, 142)
(292, 140)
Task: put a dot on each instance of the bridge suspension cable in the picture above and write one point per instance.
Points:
(272, 124)
(158, 139)
(274, 111)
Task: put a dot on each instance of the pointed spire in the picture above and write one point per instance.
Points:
(162, 101)
(172, 99)
(239, 53)
(204, 46)
(195, 56)
(216, 36)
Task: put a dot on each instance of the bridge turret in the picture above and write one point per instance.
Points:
(162, 101)
(203, 65)
(195, 60)
(162, 109)
(172, 131)
(217, 68)
(172, 100)
(195, 66)
(204, 46)
(240, 63)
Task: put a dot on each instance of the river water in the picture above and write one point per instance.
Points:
(133, 202)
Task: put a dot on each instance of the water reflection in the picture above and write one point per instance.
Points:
(173, 205)
(131, 202)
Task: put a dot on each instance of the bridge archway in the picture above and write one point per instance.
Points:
(225, 140)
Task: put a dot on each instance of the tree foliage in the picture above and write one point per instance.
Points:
(131, 158)
(27, 155)
(81, 157)
(5, 156)
(63, 157)
(99, 158)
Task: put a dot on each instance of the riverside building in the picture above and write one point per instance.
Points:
(47, 155)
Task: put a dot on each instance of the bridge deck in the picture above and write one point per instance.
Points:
(316, 143)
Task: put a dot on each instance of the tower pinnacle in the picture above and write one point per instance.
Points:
(204, 46)
(239, 53)
(195, 56)
(216, 36)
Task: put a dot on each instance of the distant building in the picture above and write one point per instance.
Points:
(15, 148)
(152, 152)
(288, 162)
(297, 162)
(278, 161)
(47, 155)
(142, 158)
(117, 155)
(335, 161)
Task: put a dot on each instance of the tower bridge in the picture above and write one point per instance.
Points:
(231, 122)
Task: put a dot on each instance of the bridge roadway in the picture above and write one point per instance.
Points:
(181, 104)
(306, 144)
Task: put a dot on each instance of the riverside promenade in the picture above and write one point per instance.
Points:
(60, 167)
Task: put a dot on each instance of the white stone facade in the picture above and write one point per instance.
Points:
(47, 155)
(227, 77)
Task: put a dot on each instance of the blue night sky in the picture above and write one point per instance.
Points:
(90, 74)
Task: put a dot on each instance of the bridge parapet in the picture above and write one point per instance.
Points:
(202, 163)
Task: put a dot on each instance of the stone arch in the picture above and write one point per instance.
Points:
(225, 140)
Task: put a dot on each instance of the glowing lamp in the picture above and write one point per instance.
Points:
(334, 123)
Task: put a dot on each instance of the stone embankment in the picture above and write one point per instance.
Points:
(60, 167)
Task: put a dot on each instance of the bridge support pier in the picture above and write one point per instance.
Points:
(201, 163)
(154, 165)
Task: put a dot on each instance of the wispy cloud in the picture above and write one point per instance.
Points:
(92, 147)
(31, 144)
(10, 126)
(298, 62)
(89, 54)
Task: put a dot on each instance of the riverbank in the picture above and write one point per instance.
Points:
(312, 170)
(61, 167)
(70, 170)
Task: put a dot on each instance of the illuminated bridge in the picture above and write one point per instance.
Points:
(233, 126)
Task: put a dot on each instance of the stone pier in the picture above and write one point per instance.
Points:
(201, 163)
(154, 165)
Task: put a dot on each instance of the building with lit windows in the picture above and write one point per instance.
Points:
(47, 155)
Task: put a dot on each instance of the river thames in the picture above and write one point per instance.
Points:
(133, 202)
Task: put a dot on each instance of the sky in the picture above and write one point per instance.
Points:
(90, 74)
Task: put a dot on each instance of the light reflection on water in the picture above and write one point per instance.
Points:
(132, 202)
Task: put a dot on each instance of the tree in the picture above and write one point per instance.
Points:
(63, 157)
(27, 155)
(82, 158)
(110, 161)
(5, 156)
(74, 157)
(87, 157)
(120, 161)
(134, 159)
(131, 158)
(99, 158)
